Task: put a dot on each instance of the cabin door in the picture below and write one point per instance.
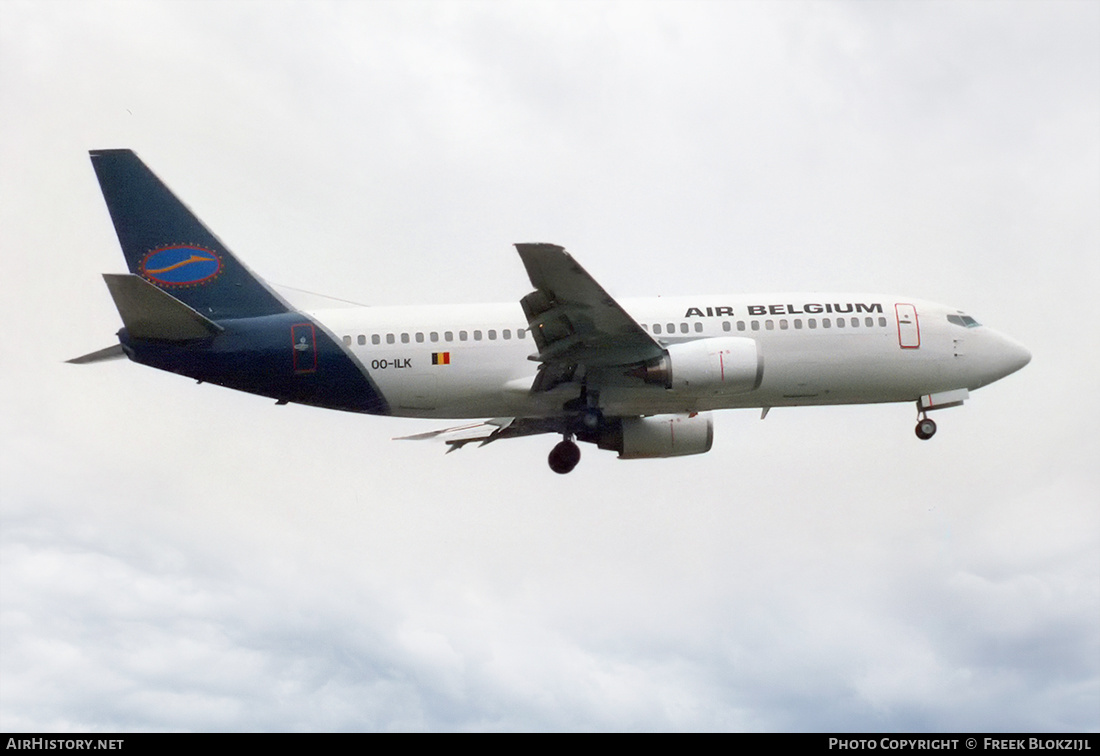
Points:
(304, 340)
(908, 326)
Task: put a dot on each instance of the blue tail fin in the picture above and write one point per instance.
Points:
(168, 246)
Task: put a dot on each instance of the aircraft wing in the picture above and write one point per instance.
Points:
(502, 427)
(575, 323)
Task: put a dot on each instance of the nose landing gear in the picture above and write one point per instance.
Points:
(564, 457)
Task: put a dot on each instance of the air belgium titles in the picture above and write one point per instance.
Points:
(810, 308)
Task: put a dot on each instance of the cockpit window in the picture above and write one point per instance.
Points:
(963, 320)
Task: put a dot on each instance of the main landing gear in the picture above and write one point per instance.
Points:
(926, 427)
(585, 423)
(565, 456)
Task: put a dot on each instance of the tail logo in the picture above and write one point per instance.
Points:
(181, 265)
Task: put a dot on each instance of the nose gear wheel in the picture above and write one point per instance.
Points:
(926, 428)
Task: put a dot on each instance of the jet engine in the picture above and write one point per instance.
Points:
(723, 365)
(658, 436)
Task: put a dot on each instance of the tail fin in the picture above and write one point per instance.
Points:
(165, 244)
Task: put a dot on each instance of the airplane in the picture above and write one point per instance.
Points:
(640, 377)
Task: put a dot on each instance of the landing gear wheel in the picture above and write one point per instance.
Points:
(564, 457)
(926, 429)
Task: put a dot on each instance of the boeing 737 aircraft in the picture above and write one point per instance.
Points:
(636, 376)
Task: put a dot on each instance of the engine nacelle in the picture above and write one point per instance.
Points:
(659, 436)
(723, 365)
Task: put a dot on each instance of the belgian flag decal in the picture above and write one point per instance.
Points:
(441, 358)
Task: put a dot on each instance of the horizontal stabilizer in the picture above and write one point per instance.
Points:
(150, 313)
(110, 353)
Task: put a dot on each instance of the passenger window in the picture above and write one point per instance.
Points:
(433, 336)
(463, 336)
(347, 340)
(683, 328)
(855, 322)
(783, 324)
(725, 325)
(419, 337)
(740, 325)
(521, 333)
(506, 333)
(811, 322)
(699, 327)
(756, 325)
(449, 335)
(492, 335)
(477, 335)
(644, 326)
(671, 328)
(657, 328)
(826, 323)
(840, 322)
(769, 324)
(390, 338)
(375, 339)
(869, 322)
(798, 324)
(882, 322)
(404, 338)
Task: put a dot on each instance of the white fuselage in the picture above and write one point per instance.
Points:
(472, 361)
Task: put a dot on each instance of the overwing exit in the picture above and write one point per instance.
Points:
(639, 377)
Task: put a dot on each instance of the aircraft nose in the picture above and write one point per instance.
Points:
(1012, 355)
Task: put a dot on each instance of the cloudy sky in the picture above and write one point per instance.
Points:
(182, 557)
